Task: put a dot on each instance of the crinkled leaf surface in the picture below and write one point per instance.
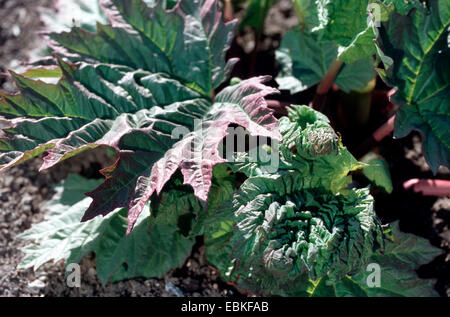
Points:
(293, 232)
(299, 220)
(283, 232)
(141, 85)
(416, 54)
(399, 262)
(150, 250)
(305, 61)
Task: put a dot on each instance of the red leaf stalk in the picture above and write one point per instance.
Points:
(428, 187)
(325, 84)
(228, 11)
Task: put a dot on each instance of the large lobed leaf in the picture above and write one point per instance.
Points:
(415, 51)
(141, 85)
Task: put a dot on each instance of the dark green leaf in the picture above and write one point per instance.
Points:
(416, 54)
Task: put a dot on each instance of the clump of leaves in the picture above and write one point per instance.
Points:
(297, 233)
(141, 85)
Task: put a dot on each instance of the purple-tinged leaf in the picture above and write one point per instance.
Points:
(195, 154)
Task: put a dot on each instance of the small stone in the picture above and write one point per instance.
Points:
(7, 180)
(36, 286)
(15, 30)
(26, 199)
(171, 288)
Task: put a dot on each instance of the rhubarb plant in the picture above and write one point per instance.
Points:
(145, 85)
